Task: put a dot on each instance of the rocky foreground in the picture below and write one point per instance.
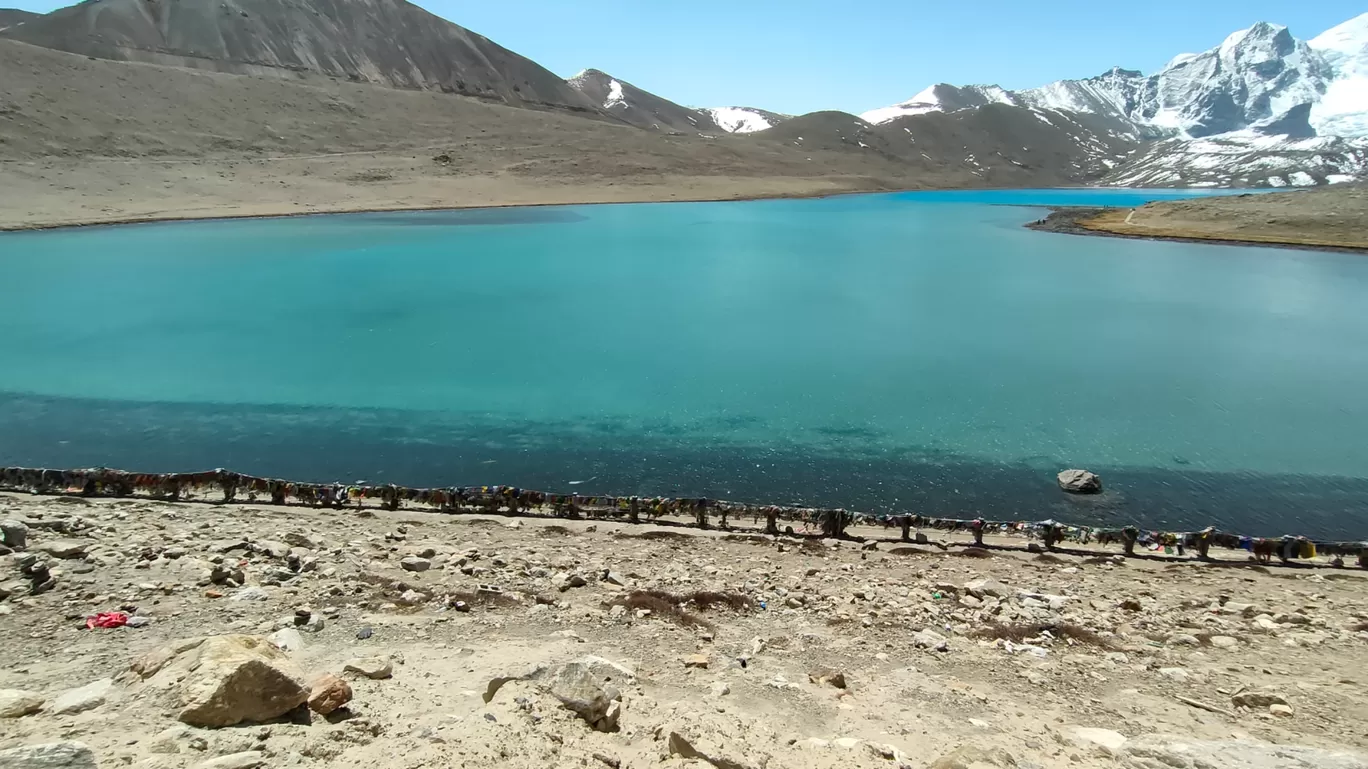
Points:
(147, 634)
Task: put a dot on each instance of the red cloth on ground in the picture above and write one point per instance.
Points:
(107, 619)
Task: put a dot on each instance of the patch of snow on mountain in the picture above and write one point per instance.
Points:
(739, 120)
(615, 96)
(1343, 110)
(926, 101)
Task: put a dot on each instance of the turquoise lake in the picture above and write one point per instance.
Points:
(905, 352)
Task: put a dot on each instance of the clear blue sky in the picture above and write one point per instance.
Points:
(802, 55)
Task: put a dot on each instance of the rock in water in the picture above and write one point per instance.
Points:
(225, 680)
(328, 694)
(53, 755)
(1080, 482)
(1164, 752)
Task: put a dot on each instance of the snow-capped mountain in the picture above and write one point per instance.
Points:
(1258, 83)
(745, 120)
(943, 97)
(639, 107)
(1258, 78)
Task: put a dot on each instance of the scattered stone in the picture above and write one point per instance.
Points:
(374, 668)
(974, 757)
(985, 588)
(64, 548)
(1105, 740)
(613, 578)
(1175, 674)
(1224, 642)
(53, 755)
(720, 689)
(692, 748)
(927, 639)
(830, 676)
(1079, 482)
(696, 661)
(414, 563)
(250, 594)
(1258, 699)
(1130, 604)
(1183, 639)
(463, 607)
(1280, 710)
(16, 703)
(328, 694)
(364, 633)
(87, 697)
(1168, 752)
(137, 621)
(287, 640)
(14, 534)
(248, 759)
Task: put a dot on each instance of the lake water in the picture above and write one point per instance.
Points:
(913, 352)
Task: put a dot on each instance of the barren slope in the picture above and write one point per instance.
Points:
(391, 42)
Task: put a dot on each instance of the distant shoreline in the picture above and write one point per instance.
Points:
(171, 217)
(1075, 220)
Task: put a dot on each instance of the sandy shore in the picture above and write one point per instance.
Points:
(747, 650)
(63, 194)
(1332, 218)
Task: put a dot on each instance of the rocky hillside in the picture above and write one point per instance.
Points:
(388, 42)
(11, 16)
(998, 145)
(638, 107)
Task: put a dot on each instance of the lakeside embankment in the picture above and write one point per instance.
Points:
(1330, 219)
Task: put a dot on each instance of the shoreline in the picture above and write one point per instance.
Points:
(175, 218)
(1075, 220)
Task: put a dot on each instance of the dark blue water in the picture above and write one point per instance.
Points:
(914, 352)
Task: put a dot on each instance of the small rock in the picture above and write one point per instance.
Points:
(16, 703)
(364, 633)
(613, 578)
(1079, 482)
(250, 594)
(927, 639)
(1258, 699)
(1224, 642)
(1183, 639)
(1175, 674)
(1105, 740)
(370, 667)
(329, 693)
(53, 755)
(1130, 604)
(696, 661)
(982, 588)
(830, 676)
(14, 534)
(64, 548)
(972, 756)
(87, 697)
(1280, 710)
(248, 759)
(414, 563)
(287, 640)
(720, 689)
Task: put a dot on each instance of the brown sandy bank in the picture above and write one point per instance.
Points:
(1333, 218)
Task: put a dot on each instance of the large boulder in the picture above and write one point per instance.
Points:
(1167, 752)
(225, 680)
(53, 755)
(1080, 482)
(588, 687)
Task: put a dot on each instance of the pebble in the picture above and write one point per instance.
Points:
(1224, 642)
(414, 563)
